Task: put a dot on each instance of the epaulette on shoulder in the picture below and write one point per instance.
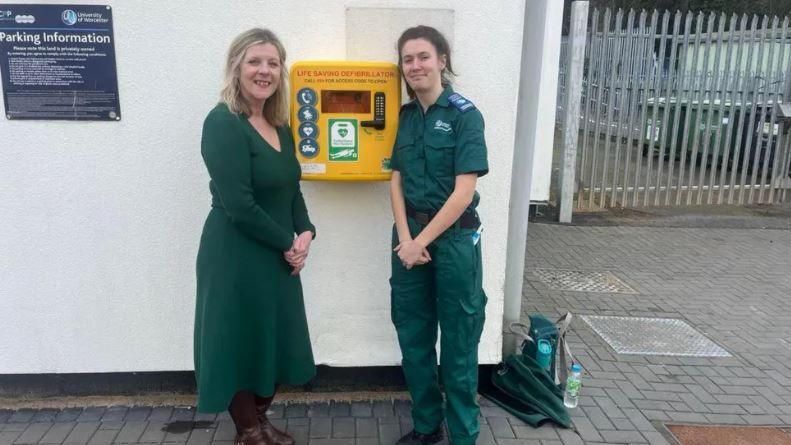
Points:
(461, 103)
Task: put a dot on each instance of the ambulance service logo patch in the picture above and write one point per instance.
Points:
(442, 126)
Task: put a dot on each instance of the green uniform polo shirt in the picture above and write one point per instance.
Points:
(432, 148)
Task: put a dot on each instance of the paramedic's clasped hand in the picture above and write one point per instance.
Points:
(298, 253)
(411, 254)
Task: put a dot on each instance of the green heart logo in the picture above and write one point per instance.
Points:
(343, 132)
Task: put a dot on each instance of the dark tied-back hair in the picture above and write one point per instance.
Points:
(440, 44)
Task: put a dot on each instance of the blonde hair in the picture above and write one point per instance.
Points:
(276, 107)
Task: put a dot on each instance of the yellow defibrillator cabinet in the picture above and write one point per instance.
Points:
(344, 116)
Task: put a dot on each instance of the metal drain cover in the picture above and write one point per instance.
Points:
(653, 336)
(583, 281)
(729, 435)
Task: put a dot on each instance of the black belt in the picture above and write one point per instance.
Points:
(467, 220)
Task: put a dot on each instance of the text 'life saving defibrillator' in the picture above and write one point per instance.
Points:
(344, 116)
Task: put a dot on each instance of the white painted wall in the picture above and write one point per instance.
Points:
(100, 221)
(530, 140)
(544, 53)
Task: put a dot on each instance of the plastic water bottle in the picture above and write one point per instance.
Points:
(572, 394)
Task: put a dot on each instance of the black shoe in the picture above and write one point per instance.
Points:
(415, 438)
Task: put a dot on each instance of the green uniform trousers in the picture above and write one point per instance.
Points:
(447, 291)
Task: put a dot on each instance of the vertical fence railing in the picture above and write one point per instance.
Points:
(681, 109)
(560, 98)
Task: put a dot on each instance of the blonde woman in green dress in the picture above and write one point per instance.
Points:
(251, 332)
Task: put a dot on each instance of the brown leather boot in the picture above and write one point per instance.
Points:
(243, 413)
(272, 434)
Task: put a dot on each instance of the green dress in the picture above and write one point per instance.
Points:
(251, 332)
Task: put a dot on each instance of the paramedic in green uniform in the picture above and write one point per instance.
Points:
(438, 156)
(251, 332)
